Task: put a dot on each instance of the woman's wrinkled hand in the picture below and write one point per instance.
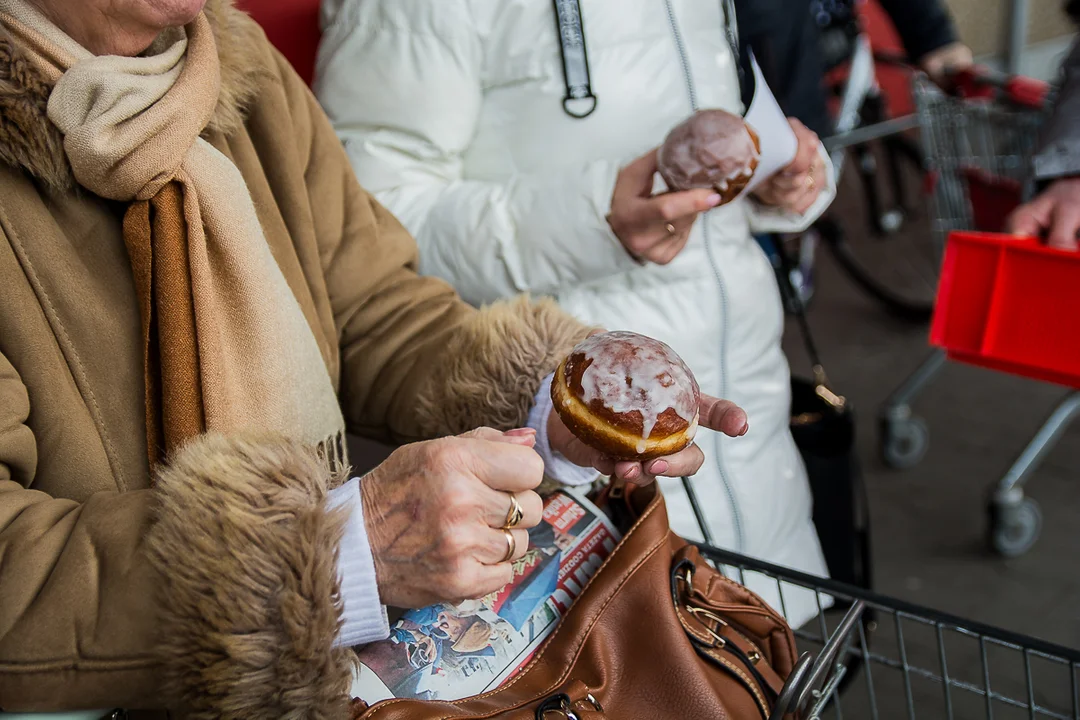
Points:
(433, 510)
(719, 415)
(796, 187)
(1054, 213)
(654, 227)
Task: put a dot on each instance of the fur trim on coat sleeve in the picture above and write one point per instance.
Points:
(494, 365)
(249, 599)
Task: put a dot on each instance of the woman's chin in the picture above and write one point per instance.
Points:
(171, 13)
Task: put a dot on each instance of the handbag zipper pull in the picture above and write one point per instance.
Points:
(821, 383)
(564, 706)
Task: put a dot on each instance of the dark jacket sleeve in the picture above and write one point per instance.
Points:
(1058, 153)
(923, 25)
(787, 45)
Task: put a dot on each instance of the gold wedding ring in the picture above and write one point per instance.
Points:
(670, 229)
(514, 514)
(511, 545)
(810, 179)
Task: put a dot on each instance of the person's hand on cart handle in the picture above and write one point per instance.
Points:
(1053, 214)
(797, 186)
(654, 228)
(941, 63)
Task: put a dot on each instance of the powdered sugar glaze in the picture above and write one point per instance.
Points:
(630, 372)
(710, 149)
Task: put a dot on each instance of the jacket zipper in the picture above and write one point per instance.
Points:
(729, 490)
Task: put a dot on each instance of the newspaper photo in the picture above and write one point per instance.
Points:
(448, 652)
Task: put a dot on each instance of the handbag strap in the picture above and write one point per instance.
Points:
(794, 298)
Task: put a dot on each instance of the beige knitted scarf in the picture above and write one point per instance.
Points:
(226, 345)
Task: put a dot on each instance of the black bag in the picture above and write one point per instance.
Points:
(823, 426)
(825, 436)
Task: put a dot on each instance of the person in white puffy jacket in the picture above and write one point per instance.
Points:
(452, 114)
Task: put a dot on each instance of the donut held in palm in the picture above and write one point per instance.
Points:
(711, 149)
(628, 396)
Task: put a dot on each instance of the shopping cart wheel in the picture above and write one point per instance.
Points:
(1014, 527)
(904, 441)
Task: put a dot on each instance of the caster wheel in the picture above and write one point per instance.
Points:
(904, 442)
(1014, 529)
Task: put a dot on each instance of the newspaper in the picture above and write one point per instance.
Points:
(447, 652)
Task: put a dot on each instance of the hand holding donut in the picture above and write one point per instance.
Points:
(654, 227)
(705, 160)
(446, 517)
(797, 186)
(628, 406)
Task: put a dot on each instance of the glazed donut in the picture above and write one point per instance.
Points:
(627, 395)
(711, 149)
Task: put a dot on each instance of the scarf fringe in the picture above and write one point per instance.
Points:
(335, 453)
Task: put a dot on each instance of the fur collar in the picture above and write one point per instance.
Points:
(31, 143)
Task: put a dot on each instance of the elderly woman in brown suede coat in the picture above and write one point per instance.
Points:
(197, 301)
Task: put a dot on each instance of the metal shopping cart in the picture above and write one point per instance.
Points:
(978, 137)
(912, 662)
(978, 140)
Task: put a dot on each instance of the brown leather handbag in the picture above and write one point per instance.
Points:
(656, 634)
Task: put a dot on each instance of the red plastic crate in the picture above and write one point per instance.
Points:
(1011, 304)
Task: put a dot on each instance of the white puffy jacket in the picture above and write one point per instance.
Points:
(451, 113)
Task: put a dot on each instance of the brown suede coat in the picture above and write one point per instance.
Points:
(211, 588)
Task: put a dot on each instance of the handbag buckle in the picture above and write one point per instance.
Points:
(709, 615)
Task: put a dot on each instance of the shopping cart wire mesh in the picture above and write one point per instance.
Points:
(978, 152)
(912, 662)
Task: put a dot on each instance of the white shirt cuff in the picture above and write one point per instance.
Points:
(364, 616)
(556, 466)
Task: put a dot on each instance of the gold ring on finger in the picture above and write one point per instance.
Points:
(670, 229)
(514, 514)
(511, 546)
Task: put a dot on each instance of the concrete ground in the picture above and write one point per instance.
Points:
(929, 523)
